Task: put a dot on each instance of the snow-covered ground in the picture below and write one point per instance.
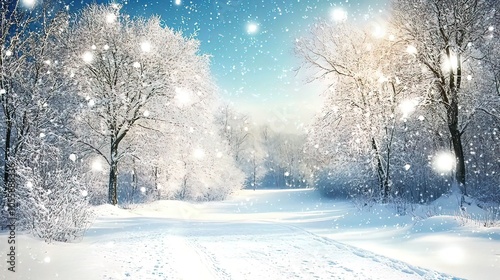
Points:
(268, 234)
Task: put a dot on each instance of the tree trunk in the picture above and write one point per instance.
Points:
(382, 176)
(452, 115)
(135, 181)
(254, 175)
(113, 176)
(155, 175)
(456, 140)
(7, 156)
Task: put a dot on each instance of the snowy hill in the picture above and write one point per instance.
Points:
(272, 234)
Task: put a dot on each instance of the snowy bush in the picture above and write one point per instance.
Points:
(52, 197)
(57, 211)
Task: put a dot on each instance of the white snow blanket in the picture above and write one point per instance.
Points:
(285, 234)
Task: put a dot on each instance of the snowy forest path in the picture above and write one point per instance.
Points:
(155, 251)
(155, 248)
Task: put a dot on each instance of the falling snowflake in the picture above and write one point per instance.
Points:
(182, 96)
(252, 28)
(408, 106)
(198, 153)
(110, 18)
(97, 165)
(29, 3)
(72, 157)
(146, 47)
(444, 162)
(87, 57)
(411, 49)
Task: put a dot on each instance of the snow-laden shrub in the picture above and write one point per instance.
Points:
(57, 211)
(52, 198)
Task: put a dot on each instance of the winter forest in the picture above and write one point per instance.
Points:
(101, 108)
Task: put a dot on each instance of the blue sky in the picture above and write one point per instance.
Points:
(252, 46)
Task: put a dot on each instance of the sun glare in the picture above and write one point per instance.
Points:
(339, 14)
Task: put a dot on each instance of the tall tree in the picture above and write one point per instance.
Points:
(367, 92)
(446, 34)
(35, 112)
(30, 80)
(26, 83)
(121, 65)
(182, 143)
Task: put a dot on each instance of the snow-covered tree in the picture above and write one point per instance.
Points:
(368, 101)
(52, 194)
(235, 130)
(35, 115)
(121, 65)
(245, 142)
(254, 165)
(29, 79)
(195, 163)
(446, 35)
(284, 160)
